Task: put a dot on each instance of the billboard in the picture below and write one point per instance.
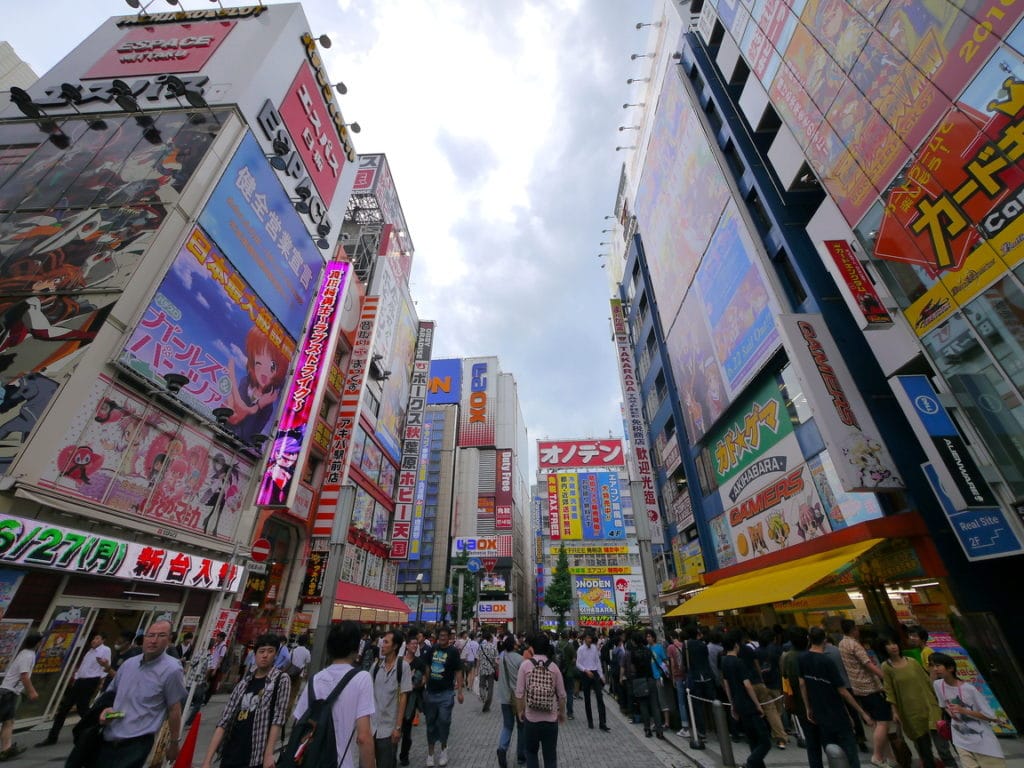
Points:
(255, 225)
(395, 342)
(206, 323)
(595, 596)
(861, 458)
(503, 491)
(312, 361)
(483, 546)
(125, 454)
(167, 49)
(853, 275)
(478, 411)
(445, 387)
(559, 454)
(586, 506)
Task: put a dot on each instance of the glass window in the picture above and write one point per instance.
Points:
(796, 401)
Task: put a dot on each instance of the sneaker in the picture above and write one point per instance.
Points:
(683, 733)
(442, 759)
(430, 761)
(881, 763)
(780, 744)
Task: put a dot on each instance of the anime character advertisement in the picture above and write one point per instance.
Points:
(205, 323)
(843, 508)
(126, 455)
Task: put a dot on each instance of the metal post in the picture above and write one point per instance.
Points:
(643, 540)
(419, 600)
(836, 756)
(458, 606)
(722, 729)
(695, 740)
(332, 574)
(476, 609)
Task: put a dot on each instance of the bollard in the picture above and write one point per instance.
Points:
(836, 756)
(695, 740)
(722, 728)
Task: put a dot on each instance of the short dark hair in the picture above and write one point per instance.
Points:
(397, 637)
(31, 640)
(943, 660)
(847, 625)
(343, 639)
(816, 636)
(267, 640)
(798, 637)
(540, 643)
(222, 635)
(303, 641)
(507, 643)
(921, 632)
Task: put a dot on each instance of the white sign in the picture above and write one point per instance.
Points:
(494, 609)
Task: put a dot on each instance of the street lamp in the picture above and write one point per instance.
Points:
(419, 599)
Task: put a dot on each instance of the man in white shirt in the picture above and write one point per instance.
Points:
(300, 661)
(354, 706)
(392, 682)
(216, 670)
(588, 662)
(94, 667)
(469, 652)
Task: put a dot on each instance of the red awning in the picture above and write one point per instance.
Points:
(363, 597)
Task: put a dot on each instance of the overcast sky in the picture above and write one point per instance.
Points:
(499, 120)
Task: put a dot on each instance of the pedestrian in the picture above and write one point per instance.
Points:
(662, 675)
(284, 654)
(638, 673)
(392, 682)
(85, 683)
(677, 671)
(866, 683)
(16, 681)
(908, 688)
(565, 656)
(354, 707)
(768, 683)
(250, 728)
(298, 670)
(487, 661)
(185, 647)
(468, 654)
(970, 714)
(509, 661)
(588, 669)
(737, 678)
(416, 664)
(149, 688)
(197, 680)
(702, 678)
(823, 693)
(217, 665)
(540, 701)
(445, 682)
(789, 664)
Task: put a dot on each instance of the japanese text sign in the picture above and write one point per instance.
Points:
(162, 50)
(557, 454)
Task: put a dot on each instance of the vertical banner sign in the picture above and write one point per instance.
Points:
(476, 423)
(858, 284)
(503, 496)
(554, 521)
(854, 442)
(315, 352)
(405, 499)
(421, 493)
(351, 395)
(569, 506)
(635, 420)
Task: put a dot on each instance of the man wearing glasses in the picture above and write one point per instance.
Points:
(148, 687)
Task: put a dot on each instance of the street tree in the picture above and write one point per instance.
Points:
(558, 595)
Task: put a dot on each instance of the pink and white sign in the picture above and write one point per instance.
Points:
(558, 454)
(162, 50)
(312, 129)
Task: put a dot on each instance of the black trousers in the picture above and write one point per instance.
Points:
(77, 696)
(596, 685)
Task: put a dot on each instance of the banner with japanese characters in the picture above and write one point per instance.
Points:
(130, 456)
(205, 323)
(560, 454)
(255, 225)
(503, 496)
(41, 544)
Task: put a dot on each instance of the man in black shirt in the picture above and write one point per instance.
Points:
(737, 680)
(444, 683)
(823, 693)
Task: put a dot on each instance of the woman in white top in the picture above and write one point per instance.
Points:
(970, 716)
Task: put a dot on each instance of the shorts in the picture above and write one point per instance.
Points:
(8, 704)
(876, 706)
(665, 694)
(978, 760)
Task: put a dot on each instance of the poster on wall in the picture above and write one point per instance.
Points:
(12, 635)
(9, 583)
(58, 641)
(595, 596)
(125, 454)
(842, 507)
(967, 670)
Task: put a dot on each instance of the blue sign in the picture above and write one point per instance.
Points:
(926, 403)
(444, 387)
(982, 532)
(251, 218)
(473, 564)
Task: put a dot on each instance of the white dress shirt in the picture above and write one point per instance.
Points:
(588, 659)
(91, 666)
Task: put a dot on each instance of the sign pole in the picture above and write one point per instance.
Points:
(332, 573)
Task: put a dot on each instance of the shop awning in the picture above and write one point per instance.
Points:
(352, 601)
(774, 584)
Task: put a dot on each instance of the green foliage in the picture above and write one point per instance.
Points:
(558, 594)
(630, 614)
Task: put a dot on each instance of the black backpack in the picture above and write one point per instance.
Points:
(398, 662)
(312, 742)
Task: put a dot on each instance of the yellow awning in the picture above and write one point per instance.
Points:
(774, 584)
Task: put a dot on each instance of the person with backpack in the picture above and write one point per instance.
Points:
(416, 664)
(334, 710)
(540, 702)
(250, 727)
(508, 662)
(392, 682)
(638, 673)
(444, 684)
(565, 655)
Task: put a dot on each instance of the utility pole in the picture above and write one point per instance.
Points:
(643, 540)
(332, 574)
(458, 621)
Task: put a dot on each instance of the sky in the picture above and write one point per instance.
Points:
(499, 120)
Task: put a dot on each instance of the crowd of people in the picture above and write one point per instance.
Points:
(863, 692)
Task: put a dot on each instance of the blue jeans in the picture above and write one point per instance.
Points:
(437, 709)
(684, 713)
(508, 724)
(541, 737)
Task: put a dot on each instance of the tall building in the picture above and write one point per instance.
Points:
(14, 71)
(818, 302)
(471, 500)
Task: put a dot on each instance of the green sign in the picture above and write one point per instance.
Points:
(760, 423)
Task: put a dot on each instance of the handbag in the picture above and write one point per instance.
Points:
(641, 687)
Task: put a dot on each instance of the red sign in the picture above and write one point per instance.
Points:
(316, 138)
(555, 454)
(857, 280)
(163, 50)
(503, 493)
(489, 563)
(260, 550)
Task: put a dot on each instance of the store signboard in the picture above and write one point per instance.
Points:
(445, 386)
(858, 285)
(560, 454)
(503, 496)
(167, 49)
(478, 411)
(595, 595)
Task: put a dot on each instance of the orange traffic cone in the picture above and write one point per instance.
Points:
(188, 749)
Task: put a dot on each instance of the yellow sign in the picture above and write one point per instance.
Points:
(599, 570)
(569, 506)
(596, 550)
